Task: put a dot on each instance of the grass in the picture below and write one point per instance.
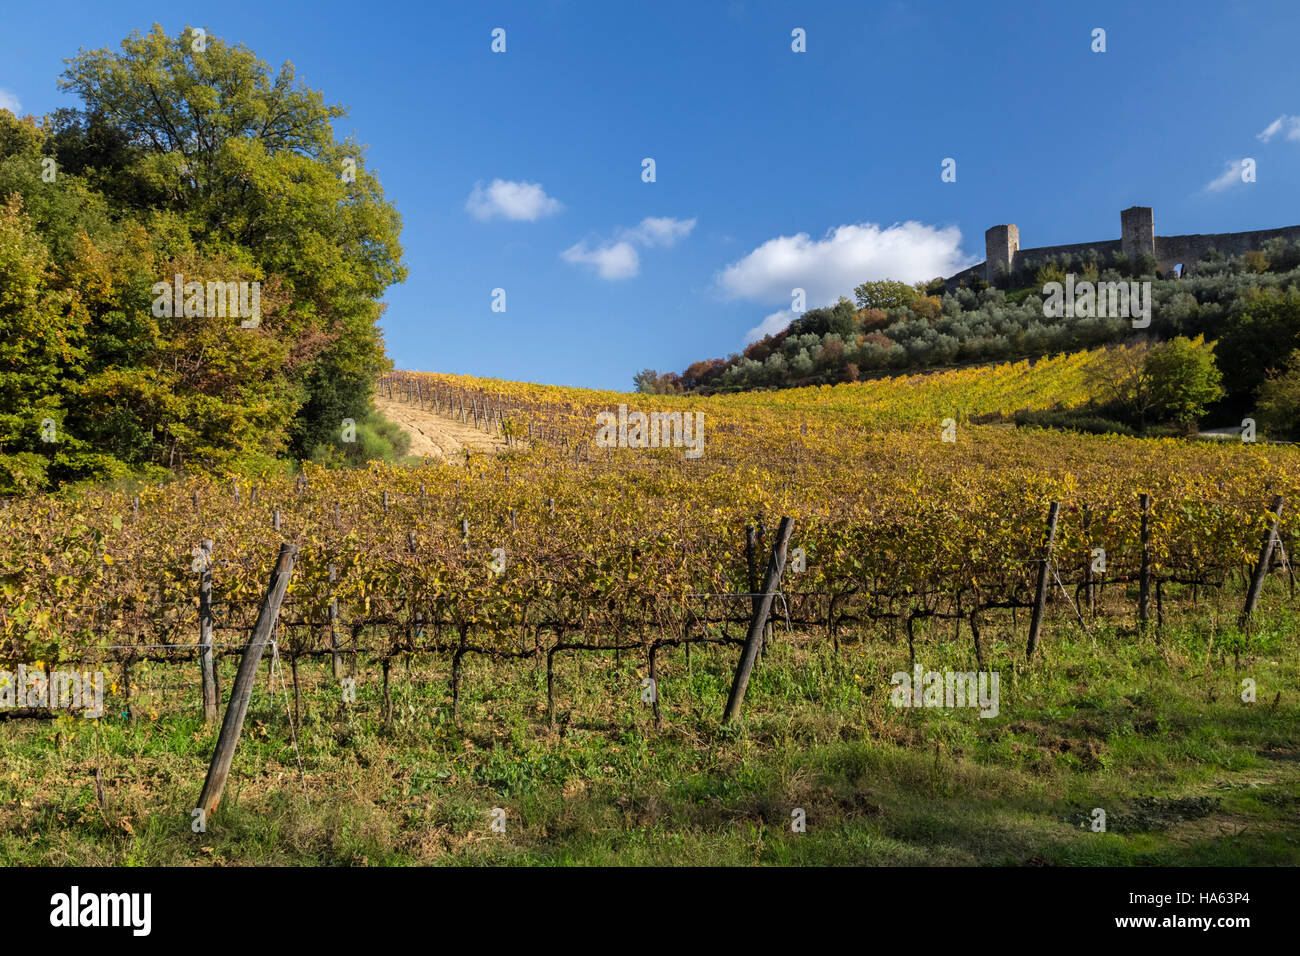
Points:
(1149, 727)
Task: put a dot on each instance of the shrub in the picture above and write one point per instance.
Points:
(1078, 421)
(1050, 272)
(927, 307)
(376, 439)
(1256, 261)
(870, 320)
(840, 318)
(1278, 410)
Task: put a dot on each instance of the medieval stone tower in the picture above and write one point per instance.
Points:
(1001, 243)
(1137, 232)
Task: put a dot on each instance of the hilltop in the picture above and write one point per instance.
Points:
(1246, 307)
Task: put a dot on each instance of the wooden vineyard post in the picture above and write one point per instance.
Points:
(211, 704)
(1088, 590)
(754, 639)
(1144, 581)
(1261, 567)
(654, 686)
(387, 665)
(246, 677)
(417, 618)
(126, 687)
(761, 542)
(751, 565)
(335, 648)
(1044, 570)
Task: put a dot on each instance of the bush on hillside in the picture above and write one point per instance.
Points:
(1278, 410)
(374, 439)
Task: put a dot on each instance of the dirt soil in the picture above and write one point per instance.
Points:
(438, 437)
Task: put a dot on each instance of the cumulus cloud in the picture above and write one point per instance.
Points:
(504, 199)
(659, 231)
(617, 258)
(1288, 126)
(9, 101)
(771, 325)
(845, 257)
(1231, 176)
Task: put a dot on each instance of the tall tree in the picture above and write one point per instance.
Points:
(249, 161)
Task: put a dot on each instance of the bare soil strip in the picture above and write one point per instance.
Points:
(438, 437)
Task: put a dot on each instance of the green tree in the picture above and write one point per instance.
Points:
(1121, 381)
(885, 294)
(839, 319)
(249, 162)
(40, 346)
(1184, 379)
(646, 381)
(1279, 402)
(1051, 272)
(1256, 339)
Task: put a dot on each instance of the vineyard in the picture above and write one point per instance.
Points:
(907, 520)
(557, 544)
(967, 553)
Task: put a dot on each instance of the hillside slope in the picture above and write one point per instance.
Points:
(437, 437)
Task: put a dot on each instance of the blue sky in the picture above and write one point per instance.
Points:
(774, 169)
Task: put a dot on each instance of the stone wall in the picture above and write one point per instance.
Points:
(1103, 249)
(1137, 236)
(966, 276)
(1171, 250)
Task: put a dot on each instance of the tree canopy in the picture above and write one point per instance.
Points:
(188, 156)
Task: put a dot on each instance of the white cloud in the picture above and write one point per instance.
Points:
(1270, 130)
(503, 199)
(771, 325)
(615, 260)
(846, 257)
(9, 101)
(659, 231)
(1287, 125)
(1231, 176)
